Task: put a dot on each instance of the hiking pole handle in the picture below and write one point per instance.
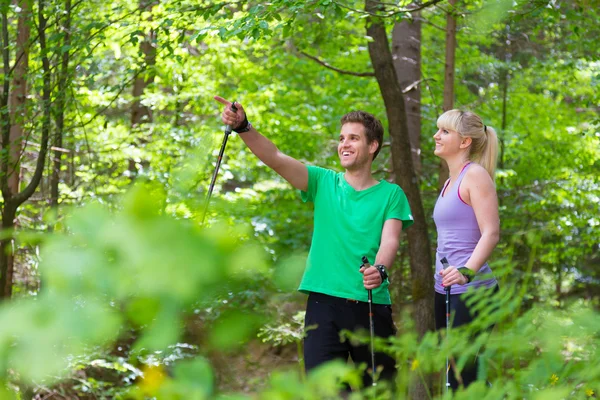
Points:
(228, 128)
(445, 264)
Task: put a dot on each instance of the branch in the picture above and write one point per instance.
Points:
(422, 6)
(53, 148)
(425, 21)
(341, 71)
(415, 84)
(390, 13)
(212, 6)
(540, 5)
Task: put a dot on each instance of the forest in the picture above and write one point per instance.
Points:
(118, 280)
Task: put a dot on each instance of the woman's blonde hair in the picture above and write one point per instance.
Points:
(484, 145)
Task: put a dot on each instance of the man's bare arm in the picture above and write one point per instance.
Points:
(289, 168)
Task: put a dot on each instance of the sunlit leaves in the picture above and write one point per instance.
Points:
(135, 264)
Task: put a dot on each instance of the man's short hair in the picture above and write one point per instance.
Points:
(373, 126)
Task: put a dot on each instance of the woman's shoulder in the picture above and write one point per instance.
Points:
(477, 177)
(477, 171)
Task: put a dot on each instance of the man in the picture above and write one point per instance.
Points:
(354, 216)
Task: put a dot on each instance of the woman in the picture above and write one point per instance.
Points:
(466, 218)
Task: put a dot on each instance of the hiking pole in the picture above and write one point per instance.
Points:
(228, 130)
(445, 263)
(365, 260)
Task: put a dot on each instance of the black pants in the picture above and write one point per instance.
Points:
(459, 315)
(331, 315)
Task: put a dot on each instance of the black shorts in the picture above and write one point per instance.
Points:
(331, 315)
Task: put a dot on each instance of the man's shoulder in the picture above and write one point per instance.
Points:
(320, 169)
(320, 172)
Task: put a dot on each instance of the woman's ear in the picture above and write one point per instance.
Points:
(466, 142)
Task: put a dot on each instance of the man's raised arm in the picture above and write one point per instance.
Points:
(289, 168)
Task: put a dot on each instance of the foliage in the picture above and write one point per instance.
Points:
(95, 281)
(135, 266)
(140, 267)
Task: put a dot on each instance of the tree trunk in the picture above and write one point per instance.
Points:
(28, 191)
(448, 77)
(406, 53)
(6, 252)
(418, 239)
(5, 127)
(12, 134)
(504, 82)
(13, 201)
(140, 113)
(18, 94)
(61, 101)
(4, 114)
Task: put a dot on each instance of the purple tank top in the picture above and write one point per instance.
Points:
(458, 234)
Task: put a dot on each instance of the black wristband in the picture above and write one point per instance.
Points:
(466, 272)
(382, 271)
(245, 126)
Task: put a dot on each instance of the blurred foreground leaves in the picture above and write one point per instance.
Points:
(136, 266)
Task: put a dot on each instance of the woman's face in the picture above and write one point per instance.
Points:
(447, 142)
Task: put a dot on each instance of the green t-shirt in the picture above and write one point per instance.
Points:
(348, 225)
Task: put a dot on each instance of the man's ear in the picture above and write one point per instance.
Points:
(466, 142)
(373, 146)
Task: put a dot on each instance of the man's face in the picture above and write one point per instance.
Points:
(353, 149)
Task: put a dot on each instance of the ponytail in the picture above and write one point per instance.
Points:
(488, 155)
